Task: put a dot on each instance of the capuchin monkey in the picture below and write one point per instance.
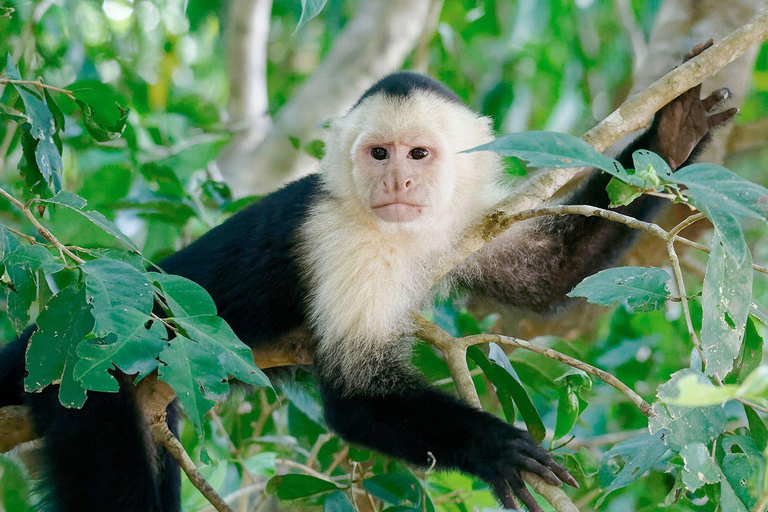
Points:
(348, 253)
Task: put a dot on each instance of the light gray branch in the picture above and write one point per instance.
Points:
(375, 42)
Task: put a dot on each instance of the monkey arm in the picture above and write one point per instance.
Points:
(410, 420)
(535, 264)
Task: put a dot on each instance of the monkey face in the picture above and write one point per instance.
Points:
(399, 162)
(402, 175)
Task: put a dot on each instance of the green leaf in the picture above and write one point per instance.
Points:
(570, 406)
(34, 258)
(620, 193)
(213, 333)
(725, 300)
(103, 115)
(699, 468)
(134, 352)
(722, 196)
(567, 412)
(755, 386)
(103, 133)
(697, 392)
(639, 288)
(21, 296)
(262, 464)
(121, 297)
(685, 425)
(42, 129)
(757, 428)
(77, 203)
(503, 380)
(553, 150)
(644, 159)
(51, 356)
(291, 487)
(507, 406)
(394, 488)
(309, 10)
(337, 502)
(196, 376)
(751, 354)
(628, 460)
(744, 473)
(184, 297)
(15, 484)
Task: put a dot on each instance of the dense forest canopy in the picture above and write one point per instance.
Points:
(128, 128)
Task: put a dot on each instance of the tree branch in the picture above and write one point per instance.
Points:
(376, 41)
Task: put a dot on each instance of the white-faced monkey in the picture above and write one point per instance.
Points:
(347, 253)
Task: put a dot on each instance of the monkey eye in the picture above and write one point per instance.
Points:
(418, 153)
(379, 153)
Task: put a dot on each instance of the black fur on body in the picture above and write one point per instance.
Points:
(100, 457)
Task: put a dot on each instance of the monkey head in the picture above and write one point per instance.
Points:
(398, 159)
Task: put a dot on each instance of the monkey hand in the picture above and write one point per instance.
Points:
(683, 123)
(517, 452)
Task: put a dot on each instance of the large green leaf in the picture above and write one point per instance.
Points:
(133, 352)
(222, 344)
(77, 203)
(553, 150)
(196, 376)
(502, 379)
(699, 468)
(42, 129)
(121, 297)
(21, 295)
(725, 300)
(184, 297)
(34, 258)
(683, 424)
(291, 487)
(394, 488)
(722, 196)
(628, 460)
(51, 354)
(639, 288)
(337, 502)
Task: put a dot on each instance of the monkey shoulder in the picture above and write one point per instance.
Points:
(248, 263)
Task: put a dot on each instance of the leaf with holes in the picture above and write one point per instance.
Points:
(51, 355)
(683, 424)
(639, 288)
(725, 301)
(722, 196)
(629, 460)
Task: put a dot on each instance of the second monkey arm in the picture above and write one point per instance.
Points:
(536, 263)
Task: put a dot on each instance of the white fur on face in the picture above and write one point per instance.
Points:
(366, 275)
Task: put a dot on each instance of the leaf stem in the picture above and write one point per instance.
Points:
(39, 84)
(42, 229)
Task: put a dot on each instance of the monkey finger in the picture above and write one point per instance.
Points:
(697, 50)
(715, 98)
(503, 491)
(722, 117)
(563, 474)
(522, 492)
(538, 469)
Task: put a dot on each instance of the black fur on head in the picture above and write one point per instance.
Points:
(403, 83)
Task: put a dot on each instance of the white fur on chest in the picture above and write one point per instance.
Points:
(364, 281)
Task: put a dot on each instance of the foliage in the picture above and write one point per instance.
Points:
(121, 169)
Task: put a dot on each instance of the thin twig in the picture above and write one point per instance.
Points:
(40, 228)
(164, 436)
(684, 299)
(39, 84)
(688, 221)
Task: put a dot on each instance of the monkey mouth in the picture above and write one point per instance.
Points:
(398, 211)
